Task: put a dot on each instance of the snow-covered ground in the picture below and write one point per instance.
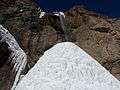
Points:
(67, 67)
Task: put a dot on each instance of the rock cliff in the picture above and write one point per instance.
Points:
(96, 34)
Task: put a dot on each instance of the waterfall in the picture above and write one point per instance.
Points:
(17, 58)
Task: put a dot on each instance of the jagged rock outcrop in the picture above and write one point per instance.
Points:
(14, 62)
(97, 35)
(67, 67)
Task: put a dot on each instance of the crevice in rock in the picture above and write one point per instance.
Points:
(4, 53)
(102, 29)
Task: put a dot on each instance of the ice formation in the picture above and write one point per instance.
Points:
(17, 58)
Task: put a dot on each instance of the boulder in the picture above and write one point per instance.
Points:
(66, 66)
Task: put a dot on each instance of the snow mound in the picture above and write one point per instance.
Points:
(67, 67)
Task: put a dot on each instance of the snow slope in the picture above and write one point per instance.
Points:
(67, 67)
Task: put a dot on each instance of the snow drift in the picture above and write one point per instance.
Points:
(67, 67)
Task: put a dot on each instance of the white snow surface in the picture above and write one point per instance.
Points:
(67, 67)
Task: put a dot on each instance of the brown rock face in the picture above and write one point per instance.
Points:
(97, 35)
(6, 3)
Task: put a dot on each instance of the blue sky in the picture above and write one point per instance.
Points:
(106, 7)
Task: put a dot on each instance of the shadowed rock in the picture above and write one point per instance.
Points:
(15, 60)
(4, 53)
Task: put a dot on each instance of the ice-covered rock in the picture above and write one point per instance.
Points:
(67, 67)
(18, 58)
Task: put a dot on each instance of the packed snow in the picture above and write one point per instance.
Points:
(67, 67)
